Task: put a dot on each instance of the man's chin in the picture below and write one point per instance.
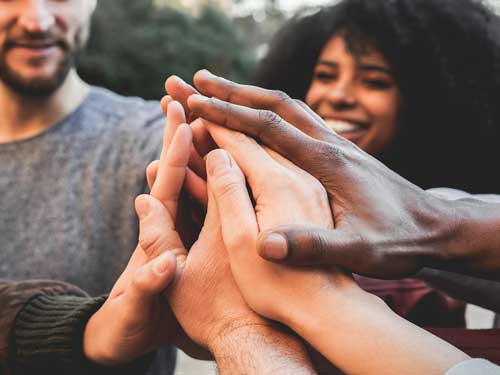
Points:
(34, 86)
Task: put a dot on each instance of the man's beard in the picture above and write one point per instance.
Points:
(40, 86)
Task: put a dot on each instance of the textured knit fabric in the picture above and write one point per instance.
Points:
(67, 202)
(48, 335)
(474, 367)
(13, 297)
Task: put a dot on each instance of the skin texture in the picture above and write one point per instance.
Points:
(204, 296)
(385, 226)
(356, 89)
(304, 298)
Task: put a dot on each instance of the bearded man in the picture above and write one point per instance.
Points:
(72, 156)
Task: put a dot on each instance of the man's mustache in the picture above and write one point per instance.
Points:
(36, 40)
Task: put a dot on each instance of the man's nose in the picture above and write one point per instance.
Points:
(36, 16)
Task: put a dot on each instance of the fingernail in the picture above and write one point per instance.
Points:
(275, 247)
(204, 73)
(217, 162)
(162, 264)
(142, 208)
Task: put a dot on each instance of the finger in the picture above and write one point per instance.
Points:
(157, 232)
(151, 172)
(202, 139)
(164, 102)
(236, 213)
(148, 282)
(301, 246)
(175, 118)
(196, 187)
(172, 169)
(180, 91)
(256, 164)
(197, 163)
(312, 155)
(278, 102)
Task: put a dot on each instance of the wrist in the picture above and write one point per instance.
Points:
(91, 339)
(328, 307)
(261, 349)
(233, 332)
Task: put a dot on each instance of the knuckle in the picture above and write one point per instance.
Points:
(319, 247)
(227, 185)
(279, 98)
(328, 152)
(270, 121)
(151, 241)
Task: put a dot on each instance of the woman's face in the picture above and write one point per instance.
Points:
(355, 95)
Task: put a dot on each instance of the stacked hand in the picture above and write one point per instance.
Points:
(385, 227)
(165, 286)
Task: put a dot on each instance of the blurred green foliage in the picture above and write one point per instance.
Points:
(134, 47)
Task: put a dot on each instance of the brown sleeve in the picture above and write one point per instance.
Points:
(13, 297)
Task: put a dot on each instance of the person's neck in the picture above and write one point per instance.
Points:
(24, 117)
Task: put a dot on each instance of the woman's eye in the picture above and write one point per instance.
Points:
(324, 76)
(379, 84)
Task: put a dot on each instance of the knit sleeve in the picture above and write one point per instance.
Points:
(48, 336)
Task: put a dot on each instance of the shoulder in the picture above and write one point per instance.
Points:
(114, 112)
(131, 124)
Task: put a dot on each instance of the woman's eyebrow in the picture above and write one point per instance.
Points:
(329, 63)
(374, 67)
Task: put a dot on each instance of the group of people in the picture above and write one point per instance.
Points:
(268, 228)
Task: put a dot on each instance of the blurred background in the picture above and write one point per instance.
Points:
(133, 48)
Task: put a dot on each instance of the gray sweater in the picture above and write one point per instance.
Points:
(67, 195)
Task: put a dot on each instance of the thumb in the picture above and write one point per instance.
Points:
(295, 245)
(237, 216)
(149, 281)
(156, 227)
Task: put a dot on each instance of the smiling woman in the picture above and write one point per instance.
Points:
(413, 82)
(355, 95)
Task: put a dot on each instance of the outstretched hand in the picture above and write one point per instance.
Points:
(136, 318)
(385, 226)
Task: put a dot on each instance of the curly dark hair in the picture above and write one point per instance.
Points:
(445, 57)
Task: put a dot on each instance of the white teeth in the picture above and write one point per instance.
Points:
(342, 126)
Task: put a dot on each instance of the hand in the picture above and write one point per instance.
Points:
(385, 226)
(324, 306)
(291, 196)
(203, 296)
(135, 318)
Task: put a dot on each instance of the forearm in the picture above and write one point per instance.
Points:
(260, 350)
(480, 292)
(474, 249)
(361, 335)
